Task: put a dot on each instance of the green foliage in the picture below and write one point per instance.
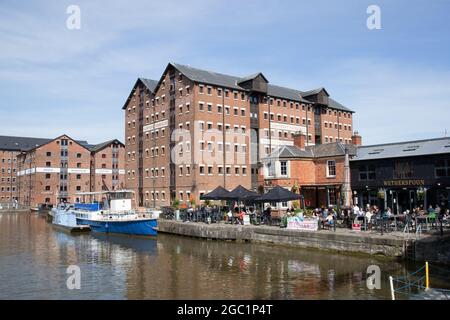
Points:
(176, 203)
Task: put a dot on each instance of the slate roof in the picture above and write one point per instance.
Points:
(316, 151)
(100, 146)
(150, 84)
(220, 79)
(403, 149)
(10, 143)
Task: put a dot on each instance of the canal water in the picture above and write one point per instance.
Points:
(34, 257)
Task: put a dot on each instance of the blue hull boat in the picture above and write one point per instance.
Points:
(144, 227)
(114, 214)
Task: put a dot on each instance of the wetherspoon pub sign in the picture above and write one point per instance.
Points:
(404, 183)
(403, 175)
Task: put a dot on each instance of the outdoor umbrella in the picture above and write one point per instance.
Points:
(218, 193)
(278, 194)
(241, 194)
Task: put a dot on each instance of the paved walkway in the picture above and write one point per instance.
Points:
(395, 235)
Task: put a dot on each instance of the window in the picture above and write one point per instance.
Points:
(210, 170)
(442, 168)
(201, 106)
(367, 173)
(49, 154)
(47, 188)
(78, 176)
(47, 176)
(219, 92)
(331, 168)
(48, 164)
(209, 90)
(283, 168)
(200, 89)
(202, 170)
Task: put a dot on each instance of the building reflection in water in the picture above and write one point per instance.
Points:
(34, 257)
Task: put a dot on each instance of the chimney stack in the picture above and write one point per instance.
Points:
(356, 139)
(299, 140)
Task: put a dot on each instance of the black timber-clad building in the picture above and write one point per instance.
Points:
(402, 175)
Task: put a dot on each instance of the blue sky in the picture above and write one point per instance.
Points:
(54, 80)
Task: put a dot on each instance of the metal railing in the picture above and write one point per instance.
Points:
(10, 206)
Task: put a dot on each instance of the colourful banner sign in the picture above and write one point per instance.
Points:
(299, 223)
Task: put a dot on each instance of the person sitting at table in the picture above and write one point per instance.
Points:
(329, 220)
(437, 210)
(389, 212)
(430, 209)
(446, 217)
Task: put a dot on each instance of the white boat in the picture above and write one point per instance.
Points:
(64, 217)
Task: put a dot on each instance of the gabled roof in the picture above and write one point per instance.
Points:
(232, 82)
(11, 143)
(100, 146)
(252, 76)
(404, 149)
(150, 84)
(310, 152)
(82, 143)
(314, 91)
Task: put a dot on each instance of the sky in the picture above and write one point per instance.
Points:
(56, 80)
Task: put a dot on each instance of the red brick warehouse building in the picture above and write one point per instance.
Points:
(57, 169)
(193, 130)
(316, 172)
(10, 147)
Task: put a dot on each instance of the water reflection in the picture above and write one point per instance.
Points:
(34, 257)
